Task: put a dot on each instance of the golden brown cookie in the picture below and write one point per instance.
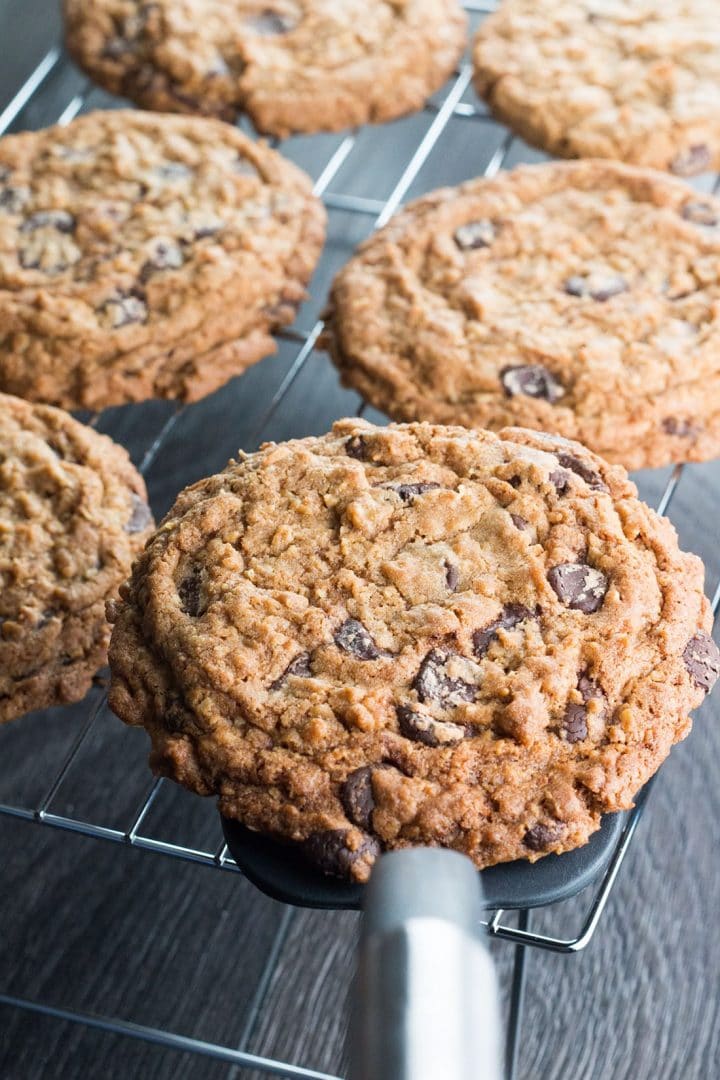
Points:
(409, 635)
(581, 298)
(145, 256)
(73, 515)
(637, 80)
(291, 65)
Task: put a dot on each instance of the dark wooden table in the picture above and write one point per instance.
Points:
(98, 927)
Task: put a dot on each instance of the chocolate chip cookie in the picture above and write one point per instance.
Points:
(409, 635)
(291, 65)
(637, 80)
(574, 297)
(73, 515)
(145, 256)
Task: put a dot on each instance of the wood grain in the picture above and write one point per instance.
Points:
(99, 927)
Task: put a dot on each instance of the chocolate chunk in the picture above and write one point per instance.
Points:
(574, 723)
(12, 199)
(452, 575)
(189, 592)
(475, 234)
(583, 470)
(353, 638)
(140, 517)
(694, 160)
(533, 380)
(201, 232)
(165, 256)
(356, 795)
(173, 170)
(408, 492)
(702, 659)
(510, 617)
(519, 522)
(49, 219)
(331, 854)
(579, 586)
(560, 479)
(300, 667)
(598, 287)
(124, 310)
(700, 213)
(269, 23)
(426, 729)
(432, 682)
(543, 834)
(674, 425)
(357, 446)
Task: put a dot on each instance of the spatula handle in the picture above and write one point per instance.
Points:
(425, 1002)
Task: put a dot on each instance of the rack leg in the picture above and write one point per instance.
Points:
(517, 994)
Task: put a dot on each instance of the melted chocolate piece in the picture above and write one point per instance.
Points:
(425, 729)
(49, 219)
(165, 256)
(125, 310)
(452, 576)
(356, 795)
(189, 591)
(575, 718)
(13, 198)
(600, 287)
(357, 446)
(510, 617)
(583, 470)
(432, 682)
(579, 586)
(408, 492)
(543, 834)
(700, 213)
(532, 380)
(329, 851)
(475, 234)
(300, 667)
(684, 429)
(353, 638)
(269, 23)
(702, 660)
(695, 159)
(140, 517)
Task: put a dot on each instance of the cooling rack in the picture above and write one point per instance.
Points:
(292, 394)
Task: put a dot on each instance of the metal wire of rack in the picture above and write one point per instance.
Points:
(379, 210)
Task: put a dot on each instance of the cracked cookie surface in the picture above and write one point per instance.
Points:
(386, 637)
(637, 80)
(291, 65)
(145, 256)
(575, 297)
(73, 515)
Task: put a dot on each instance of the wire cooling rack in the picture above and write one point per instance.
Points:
(54, 93)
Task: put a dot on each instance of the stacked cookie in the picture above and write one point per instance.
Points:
(634, 80)
(577, 298)
(73, 515)
(414, 635)
(290, 65)
(146, 256)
